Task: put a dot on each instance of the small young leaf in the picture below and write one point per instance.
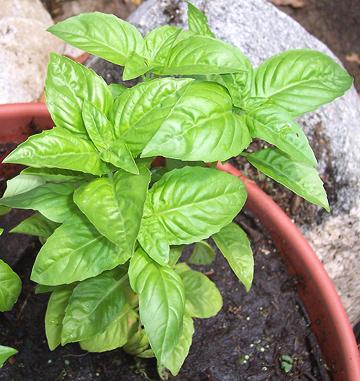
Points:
(161, 302)
(298, 177)
(190, 204)
(175, 254)
(36, 225)
(201, 126)
(135, 66)
(94, 304)
(55, 313)
(300, 80)
(114, 336)
(101, 34)
(6, 353)
(178, 355)
(276, 127)
(198, 22)
(203, 299)
(10, 287)
(68, 85)
(76, 251)
(117, 89)
(202, 255)
(58, 148)
(54, 201)
(121, 202)
(4, 210)
(235, 246)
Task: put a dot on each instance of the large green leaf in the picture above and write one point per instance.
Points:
(276, 127)
(178, 355)
(203, 299)
(298, 177)
(68, 85)
(37, 225)
(101, 34)
(140, 111)
(197, 21)
(188, 205)
(74, 252)
(10, 287)
(161, 302)
(203, 254)
(54, 316)
(5, 353)
(199, 55)
(201, 126)
(114, 205)
(114, 336)
(58, 148)
(22, 183)
(235, 246)
(94, 304)
(54, 201)
(300, 80)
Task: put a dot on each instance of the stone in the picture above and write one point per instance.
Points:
(260, 31)
(24, 51)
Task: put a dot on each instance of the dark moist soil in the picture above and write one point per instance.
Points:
(245, 341)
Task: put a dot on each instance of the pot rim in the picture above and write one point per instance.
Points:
(330, 322)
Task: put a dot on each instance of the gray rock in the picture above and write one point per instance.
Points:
(260, 31)
(24, 51)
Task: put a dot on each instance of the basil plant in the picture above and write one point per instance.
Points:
(112, 227)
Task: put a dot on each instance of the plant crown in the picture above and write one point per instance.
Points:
(112, 228)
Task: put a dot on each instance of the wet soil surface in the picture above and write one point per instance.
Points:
(246, 341)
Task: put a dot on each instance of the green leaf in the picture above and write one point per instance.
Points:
(298, 177)
(94, 304)
(160, 41)
(135, 66)
(60, 149)
(114, 205)
(188, 205)
(56, 175)
(201, 126)
(101, 34)
(22, 183)
(54, 201)
(114, 336)
(119, 155)
(197, 21)
(68, 85)
(203, 299)
(235, 246)
(54, 316)
(300, 80)
(276, 127)
(42, 289)
(138, 342)
(4, 210)
(177, 357)
(36, 225)
(175, 254)
(202, 255)
(116, 89)
(199, 55)
(97, 125)
(140, 111)
(161, 302)
(5, 353)
(10, 287)
(76, 251)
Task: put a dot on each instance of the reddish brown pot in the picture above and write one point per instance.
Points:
(329, 320)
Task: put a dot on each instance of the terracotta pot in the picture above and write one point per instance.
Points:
(329, 320)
